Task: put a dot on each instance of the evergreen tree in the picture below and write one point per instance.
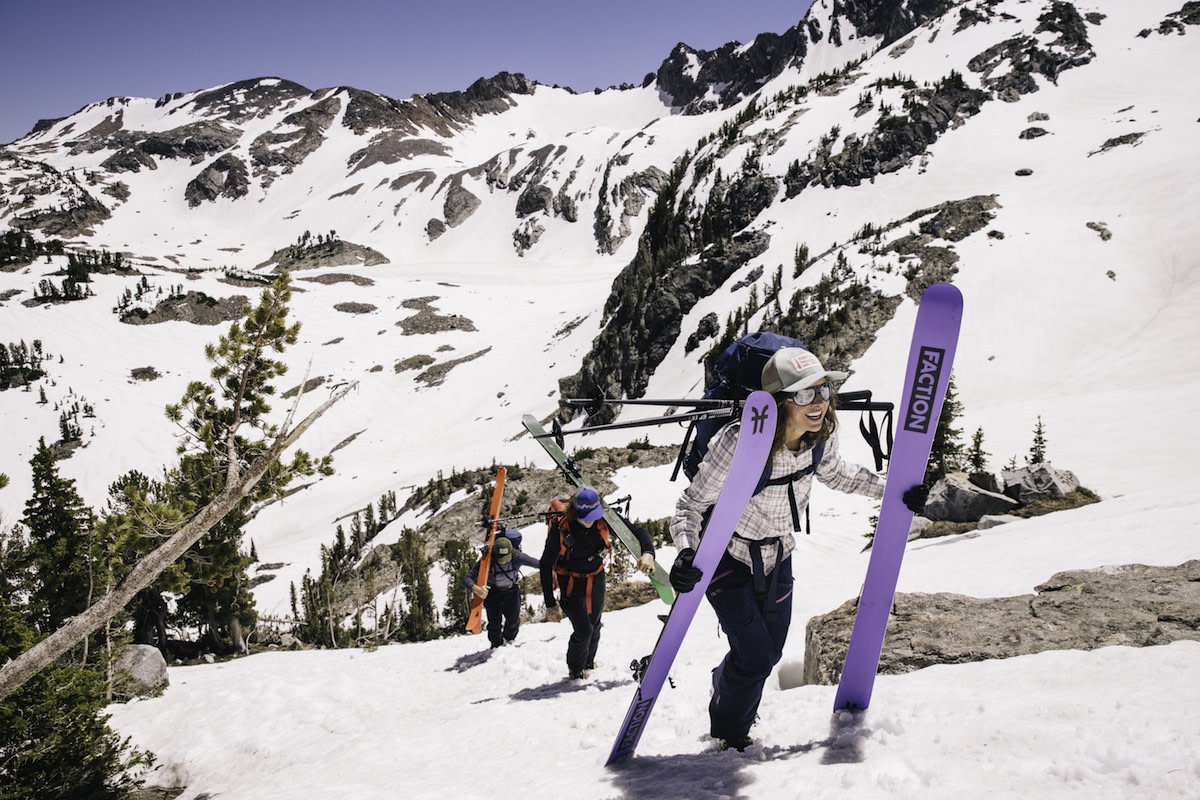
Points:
(54, 739)
(137, 519)
(61, 555)
(1037, 451)
(420, 618)
(947, 453)
(977, 456)
(251, 469)
(456, 558)
(225, 429)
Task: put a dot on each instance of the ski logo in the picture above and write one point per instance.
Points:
(759, 419)
(637, 720)
(928, 377)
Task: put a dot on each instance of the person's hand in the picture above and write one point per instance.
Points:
(480, 591)
(646, 563)
(684, 576)
(553, 614)
(914, 499)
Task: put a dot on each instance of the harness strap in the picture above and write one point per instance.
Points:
(766, 587)
(817, 453)
(571, 576)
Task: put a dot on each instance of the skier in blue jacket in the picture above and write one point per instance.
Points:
(502, 594)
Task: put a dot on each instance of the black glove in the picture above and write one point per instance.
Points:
(914, 499)
(683, 575)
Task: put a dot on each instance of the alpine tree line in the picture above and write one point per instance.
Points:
(348, 604)
(69, 575)
(20, 364)
(19, 247)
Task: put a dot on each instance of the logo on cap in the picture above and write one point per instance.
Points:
(805, 360)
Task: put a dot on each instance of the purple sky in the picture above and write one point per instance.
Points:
(58, 55)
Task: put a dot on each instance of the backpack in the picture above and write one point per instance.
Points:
(513, 535)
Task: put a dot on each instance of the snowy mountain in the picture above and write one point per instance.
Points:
(534, 243)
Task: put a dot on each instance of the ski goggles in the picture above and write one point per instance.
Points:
(805, 397)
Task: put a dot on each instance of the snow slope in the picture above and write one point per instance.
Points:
(1096, 337)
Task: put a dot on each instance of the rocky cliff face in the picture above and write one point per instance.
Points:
(698, 81)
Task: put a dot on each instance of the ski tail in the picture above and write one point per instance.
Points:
(475, 617)
(931, 356)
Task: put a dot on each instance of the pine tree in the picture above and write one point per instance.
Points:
(1037, 451)
(137, 519)
(456, 558)
(225, 429)
(62, 554)
(946, 454)
(420, 618)
(977, 456)
(249, 470)
(54, 738)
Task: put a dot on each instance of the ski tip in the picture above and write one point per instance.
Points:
(944, 292)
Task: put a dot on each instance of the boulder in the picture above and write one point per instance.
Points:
(1038, 482)
(1132, 605)
(139, 671)
(956, 499)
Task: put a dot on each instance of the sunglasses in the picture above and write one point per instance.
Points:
(805, 397)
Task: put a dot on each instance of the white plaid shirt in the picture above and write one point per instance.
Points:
(769, 513)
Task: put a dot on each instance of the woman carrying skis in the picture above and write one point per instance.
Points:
(502, 594)
(575, 556)
(751, 588)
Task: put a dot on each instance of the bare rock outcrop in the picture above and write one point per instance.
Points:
(1132, 605)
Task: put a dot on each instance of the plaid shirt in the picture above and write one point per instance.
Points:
(769, 513)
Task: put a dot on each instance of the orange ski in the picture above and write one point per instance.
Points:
(475, 619)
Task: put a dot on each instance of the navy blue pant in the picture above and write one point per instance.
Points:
(585, 625)
(757, 627)
(503, 608)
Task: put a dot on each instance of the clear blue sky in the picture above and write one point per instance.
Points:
(58, 55)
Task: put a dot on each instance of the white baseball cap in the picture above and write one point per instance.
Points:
(793, 368)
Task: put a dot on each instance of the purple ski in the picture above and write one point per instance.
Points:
(749, 458)
(929, 361)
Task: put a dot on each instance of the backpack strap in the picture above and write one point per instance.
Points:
(765, 480)
(871, 433)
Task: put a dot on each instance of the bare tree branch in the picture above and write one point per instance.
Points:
(16, 672)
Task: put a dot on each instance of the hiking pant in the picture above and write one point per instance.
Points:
(585, 627)
(757, 626)
(503, 609)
